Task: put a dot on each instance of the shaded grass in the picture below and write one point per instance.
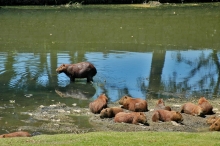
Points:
(119, 138)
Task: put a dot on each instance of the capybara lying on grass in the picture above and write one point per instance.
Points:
(133, 118)
(97, 105)
(161, 105)
(206, 106)
(166, 116)
(192, 109)
(16, 134)
(215, 126)
(78, 70)
(134, 104)
(110, 112)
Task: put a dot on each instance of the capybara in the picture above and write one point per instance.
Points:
(166, 116)
(78, 70)
(161, 105)
(215, 126)
(97, 105)
(110, 112)
(206, 106)
(211, 120)
(192, 109)
(133, 118)
(16, 134)
(133, 104)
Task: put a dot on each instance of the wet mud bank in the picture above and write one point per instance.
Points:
(59, 118)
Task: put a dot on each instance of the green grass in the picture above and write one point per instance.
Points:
(119, 139)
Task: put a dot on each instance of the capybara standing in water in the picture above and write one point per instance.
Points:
(110, 112)
(166, 116)
(161, 105)
(134, 104)
(97, 105)
(215, 126)
(78, 70)
(206, 106)
(133, 118)
(16, 134)
(192, 109)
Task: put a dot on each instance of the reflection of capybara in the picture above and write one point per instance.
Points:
(215, 126)
(133, 117)
(211, 120)
(16, 134)
(166, 116)
(192, 109)
(97, 105)
(78, 70)
(206, 106)
(134, 104)
(110, 112)
(161, 105)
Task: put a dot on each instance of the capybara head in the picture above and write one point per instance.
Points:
(201, 100)
(215, 126)
(142, 118)
(123, 99)
(110, 112)
(160, 102)
(61, 68)
(106, 113)
(199, 111)
(178, 117)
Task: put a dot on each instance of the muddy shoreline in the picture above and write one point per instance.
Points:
(59, 118)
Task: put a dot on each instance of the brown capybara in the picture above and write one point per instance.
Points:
(215, 126)
(78, 70)
(110, 112)
(97, 105)
(133, 104)
(211, 120)
(192, 109)
(206, 106)
(133, 118)
(161, 105)
(16, 134)
(166, 116)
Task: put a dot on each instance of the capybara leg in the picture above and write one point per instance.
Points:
(72, 79)
(89, 79)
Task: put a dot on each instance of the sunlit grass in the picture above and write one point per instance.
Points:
(120, 138)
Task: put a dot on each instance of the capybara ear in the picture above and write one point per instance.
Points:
(3, 136)
(125, 97)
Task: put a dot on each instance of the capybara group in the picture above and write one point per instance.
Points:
(16, 134)
(110, 112)
(97, 105)
(161, 105)
(78, 70)
(133, 104)
(206, 106)
(166, 116)
(132, 117)
(192, 109)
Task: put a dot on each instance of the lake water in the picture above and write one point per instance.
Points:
(169, 51)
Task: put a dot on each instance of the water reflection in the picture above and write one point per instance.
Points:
(193, 72)
(190, 73)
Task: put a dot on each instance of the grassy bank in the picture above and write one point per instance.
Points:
(119, 138)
